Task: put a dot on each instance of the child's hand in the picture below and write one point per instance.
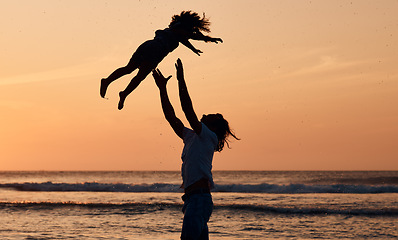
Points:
(197, 51)
(159, 79)
(216, 40)
(180, 70)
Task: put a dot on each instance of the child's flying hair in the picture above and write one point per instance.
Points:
(191, 20)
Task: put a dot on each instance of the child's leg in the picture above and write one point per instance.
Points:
(129, 68)
(141, 75)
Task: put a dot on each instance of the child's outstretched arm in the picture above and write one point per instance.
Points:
(199, 36)
(185, 99)
(190, 46)
(167, 108)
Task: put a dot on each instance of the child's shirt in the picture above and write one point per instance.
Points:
(167, 38)
(197, 155)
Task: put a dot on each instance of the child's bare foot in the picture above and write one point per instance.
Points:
(121, 101)
(103, 87)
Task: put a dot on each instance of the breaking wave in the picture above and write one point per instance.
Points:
(235, 188)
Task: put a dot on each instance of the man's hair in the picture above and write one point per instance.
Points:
(223, 131)
(191, 21)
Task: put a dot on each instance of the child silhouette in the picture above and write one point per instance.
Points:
(187, 25)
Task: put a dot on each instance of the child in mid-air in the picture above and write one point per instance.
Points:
(187, 25)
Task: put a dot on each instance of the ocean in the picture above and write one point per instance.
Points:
(247, 205)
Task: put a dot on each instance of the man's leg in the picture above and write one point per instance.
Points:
(198, 210)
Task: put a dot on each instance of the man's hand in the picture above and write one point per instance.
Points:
(160, 80)
(180, 70)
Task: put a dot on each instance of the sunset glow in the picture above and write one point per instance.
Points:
(306, 85)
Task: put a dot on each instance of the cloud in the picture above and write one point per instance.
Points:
(322, 61)
(84, 69)
(326, 64)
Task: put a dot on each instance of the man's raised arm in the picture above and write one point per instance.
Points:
(185, 99)
(167, 108)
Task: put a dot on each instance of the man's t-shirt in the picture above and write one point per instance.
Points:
(197, 155)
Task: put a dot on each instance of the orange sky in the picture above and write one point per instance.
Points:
(307, 85)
